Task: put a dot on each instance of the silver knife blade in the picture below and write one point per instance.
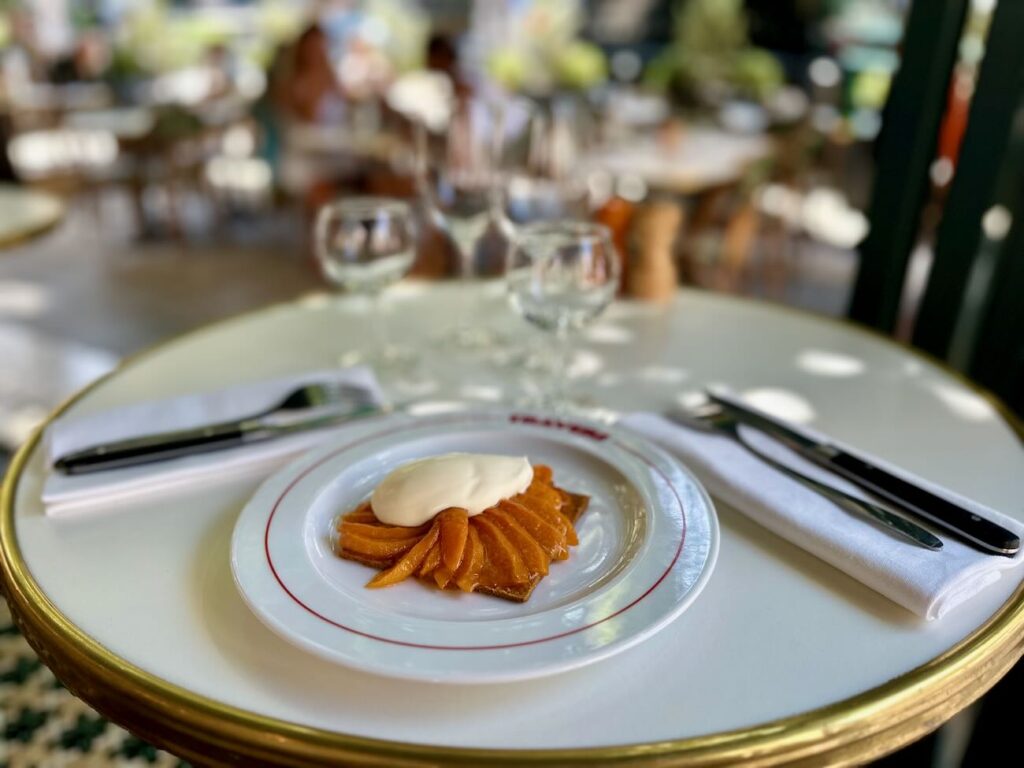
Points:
(912, 498)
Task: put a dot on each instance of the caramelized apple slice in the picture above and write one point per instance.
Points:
(412, 560)
(361, 514)
(380, 532)
(544, 492)
(432, 560)
(570, 534)
(503, 566)
(547, 535)
(542, 506)
(377, 547)
(542, 473)
(550, 502)
(467, 575)
(573, 505)
(442, 576)
(454, 530)
(533, 554)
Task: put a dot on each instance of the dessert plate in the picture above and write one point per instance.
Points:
(647, 544)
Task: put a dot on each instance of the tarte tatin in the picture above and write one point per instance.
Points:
(503, 551)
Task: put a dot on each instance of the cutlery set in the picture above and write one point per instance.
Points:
(910, 502)
(713, 418)
(320, 405)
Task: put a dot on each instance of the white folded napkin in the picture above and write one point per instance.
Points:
(928, 583)
(71, 494)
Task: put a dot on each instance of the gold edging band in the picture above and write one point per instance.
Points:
(204, 731)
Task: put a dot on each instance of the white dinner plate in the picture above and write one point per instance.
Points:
(647, 544)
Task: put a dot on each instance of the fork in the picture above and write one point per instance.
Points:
(712, 418)
(306, 407)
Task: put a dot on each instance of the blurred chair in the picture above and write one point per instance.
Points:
(747, 229)
(970, 313)
(169, 155)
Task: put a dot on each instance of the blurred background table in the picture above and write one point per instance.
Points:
(696, 159)
(124, 123)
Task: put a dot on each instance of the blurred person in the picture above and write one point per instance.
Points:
(218, 60)
(428, 95)
(90, 60)
(307, 88)
(306, 93)
(365, 70)
(443, 56)
(22, 62)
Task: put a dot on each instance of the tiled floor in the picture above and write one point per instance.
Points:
(90, 281)
(76, 300)
(42, 725)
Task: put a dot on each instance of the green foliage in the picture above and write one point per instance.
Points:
(756, 72)
(711, 52)
(542, 53)
(580, 65)
(152, 39)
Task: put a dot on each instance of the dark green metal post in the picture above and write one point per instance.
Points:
(905, 152)
(982, 156)
(998, 359)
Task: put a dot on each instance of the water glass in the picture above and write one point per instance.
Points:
(561, 276)
(363, 245)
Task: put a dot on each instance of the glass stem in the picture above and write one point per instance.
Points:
(560, 380)
(467, 265)
(379, 322)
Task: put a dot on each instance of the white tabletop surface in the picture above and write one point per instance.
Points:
(701, 157)
(775, 633)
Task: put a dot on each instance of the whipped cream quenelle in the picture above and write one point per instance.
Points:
(415, 492)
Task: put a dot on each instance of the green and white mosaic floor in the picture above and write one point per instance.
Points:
(42, 725)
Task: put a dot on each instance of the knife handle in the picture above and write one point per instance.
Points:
(152, 448)
(936, 509)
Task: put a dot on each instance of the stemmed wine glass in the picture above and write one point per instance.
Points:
(460, 194)
(561, 276)
(544, 182)
(541, 181)
(365, 244)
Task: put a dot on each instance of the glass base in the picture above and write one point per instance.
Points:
(389, 358)
(508, 354)
(565, 404)
(470, 337)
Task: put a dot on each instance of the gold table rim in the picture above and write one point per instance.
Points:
(866, 725)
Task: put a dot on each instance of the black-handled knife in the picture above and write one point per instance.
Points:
(945, 513)
(150, 449)
(154, 448)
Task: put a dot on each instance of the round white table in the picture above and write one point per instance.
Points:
(781, 658)
(26, 213)
(125, 123)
